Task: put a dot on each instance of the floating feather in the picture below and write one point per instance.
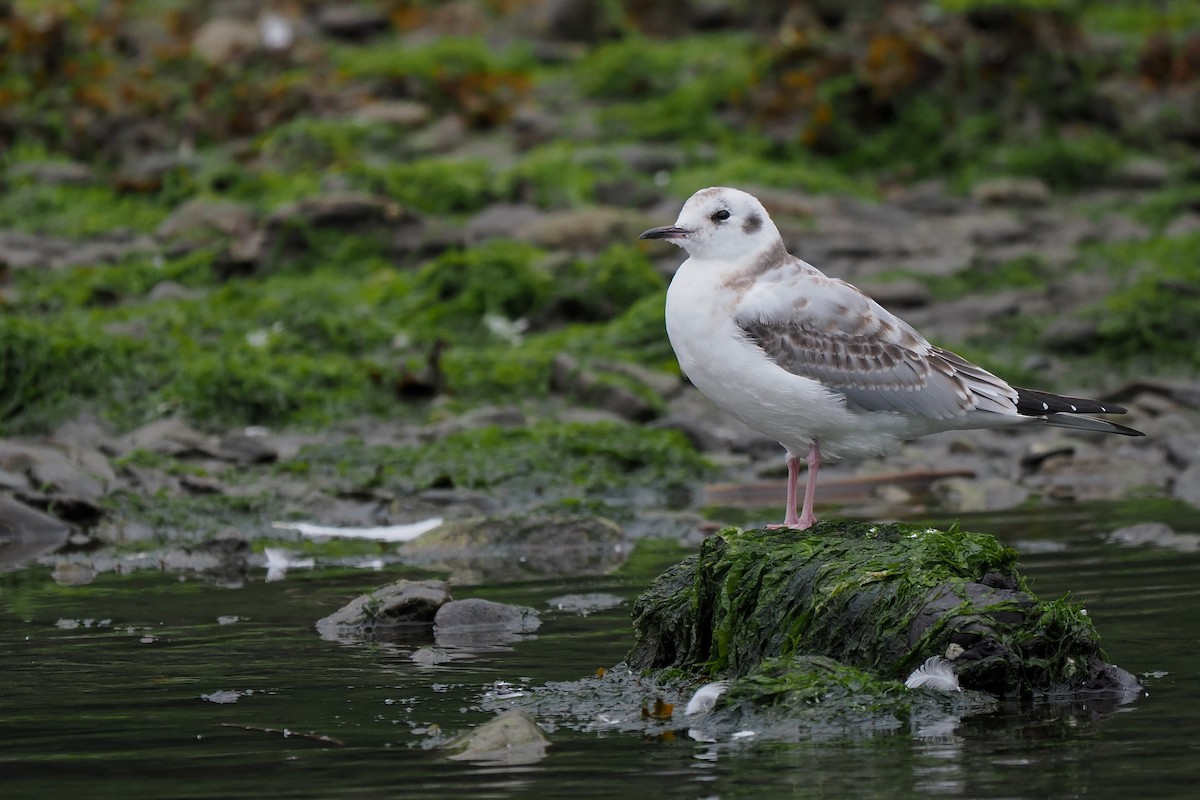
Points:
(935, 673)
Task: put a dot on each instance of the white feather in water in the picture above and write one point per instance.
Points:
(390, 533)
(935, 673)
(706, 697)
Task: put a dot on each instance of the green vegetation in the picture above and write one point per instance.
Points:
(1156, 317)
(543, 460)
(857, 593)
(333, 324)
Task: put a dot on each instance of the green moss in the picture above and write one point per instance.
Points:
(451, 295)
(1141, 19)
(1156, 317)
(50, 368)
(668, 89)
(857, 593)
(306, 142)
(799, 171)
(77, 210)
(966, 6)
(1165, 205)
(191, 517)
(1064, 162)
(1022, 272)
(433, 185)
(461, 73)
(553, 176)
(800, 681)
(542, 460)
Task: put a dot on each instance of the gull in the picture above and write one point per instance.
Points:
(816, 364)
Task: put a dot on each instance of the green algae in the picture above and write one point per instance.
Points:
(540, 460)
(879, 598)
(319, 337)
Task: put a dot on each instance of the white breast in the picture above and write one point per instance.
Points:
(736, 375)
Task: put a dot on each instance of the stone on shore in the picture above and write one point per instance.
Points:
(879, 599)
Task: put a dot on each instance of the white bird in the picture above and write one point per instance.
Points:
(815, 363)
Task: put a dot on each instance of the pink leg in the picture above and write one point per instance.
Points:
(790, 518)
(807, 517)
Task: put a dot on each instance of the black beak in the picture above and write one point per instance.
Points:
(667, 232)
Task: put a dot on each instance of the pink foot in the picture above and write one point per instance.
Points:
(806, 519)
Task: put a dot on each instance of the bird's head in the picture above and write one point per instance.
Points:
(720, 223)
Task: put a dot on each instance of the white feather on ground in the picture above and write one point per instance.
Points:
(706, 697)
(935, 673)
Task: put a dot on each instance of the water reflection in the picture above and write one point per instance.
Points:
(118, 707)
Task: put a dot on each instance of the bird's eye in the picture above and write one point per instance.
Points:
(720, 216)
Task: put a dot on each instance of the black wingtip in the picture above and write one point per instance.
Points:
(1033, 403)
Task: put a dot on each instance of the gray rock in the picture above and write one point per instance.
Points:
(224, 40)
(1139, 173)
(989, 228)
(1012, 192)
(442, 136)
(904, 293)
(511, 739)
(663, 384)
(53, 173)
(201, 219)
(85, 432)
(73, 480)
(964, 495)
(584, 604)
(73, 573)
(1185, 224)
(1183, 447)
(482, 417)
(26, 533)
(171, 291)
(519, 547)
(927, 198)
(584, 21)
(19, 250)
(475, 613)
(401, 113)
(341, 210)
(1186, 486)
(499, 220)
(404, 604)
(352, 21)
(1157, 534)
(170, 436)
(242, 449)
(568, 377)
(146, 172)
(1120, 228)
(575, 230)
(1100, 476)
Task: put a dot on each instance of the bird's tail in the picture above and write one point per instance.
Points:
(1061, 412)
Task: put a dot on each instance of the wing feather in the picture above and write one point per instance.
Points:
(829, 331)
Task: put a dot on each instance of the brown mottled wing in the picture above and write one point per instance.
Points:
(827, 330)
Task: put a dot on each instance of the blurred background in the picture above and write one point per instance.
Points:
(223, 222)
(271, 271)
(251, 212)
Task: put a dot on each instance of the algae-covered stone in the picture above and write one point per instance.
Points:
(399, 605)
(519, 546)
(880, 598)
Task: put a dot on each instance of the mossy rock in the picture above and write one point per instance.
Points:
(877, 598)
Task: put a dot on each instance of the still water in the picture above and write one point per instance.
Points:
(159, 685)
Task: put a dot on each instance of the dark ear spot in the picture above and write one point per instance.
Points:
(752, 224)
